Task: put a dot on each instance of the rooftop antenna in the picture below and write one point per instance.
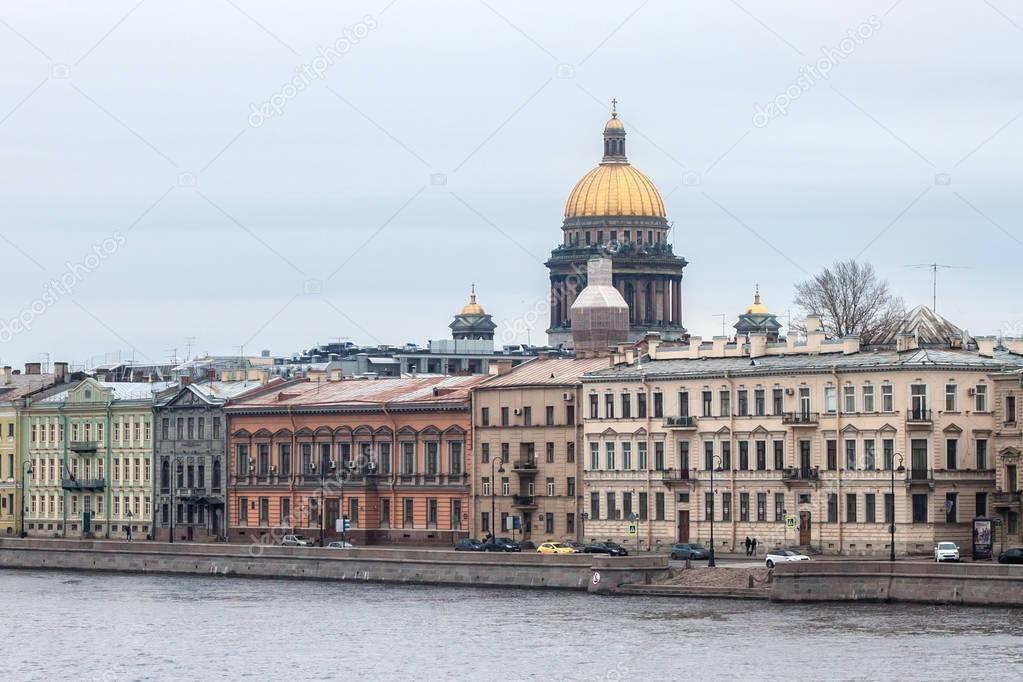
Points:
(724, 317)
(189, 342)
(934, 267)
(173, 354)
(46, 362)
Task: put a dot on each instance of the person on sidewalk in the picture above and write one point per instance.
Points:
(748, 544)
(753, 547)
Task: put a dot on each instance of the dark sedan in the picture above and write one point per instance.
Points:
(468, 545)
(501, 545)
(685, 550)
(609, 548)
(1011, 556)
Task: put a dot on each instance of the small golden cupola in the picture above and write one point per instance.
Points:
(472, 307)
(473, 322)
(758, 320)
(757, 308)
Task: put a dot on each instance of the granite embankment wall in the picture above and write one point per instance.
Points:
(425, 566)
(929, 583)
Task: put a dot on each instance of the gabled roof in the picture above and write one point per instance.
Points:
(930, 329)
(363, 393)
(547, 372)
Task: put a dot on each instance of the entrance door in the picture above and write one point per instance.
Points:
(683, 525)
(333, 514)
(804, 528)
(216, 522)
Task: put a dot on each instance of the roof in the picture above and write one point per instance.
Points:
(122, 390)
(18, 386)
(547, 372)
(929, 327)
(924, 358)
(364, 393)
(226, 389)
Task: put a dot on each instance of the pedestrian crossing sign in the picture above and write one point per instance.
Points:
(633, 530)
(790, 521)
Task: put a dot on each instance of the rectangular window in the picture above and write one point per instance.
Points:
(888, 448)
(242, 461)
(485, 453)
(981, 456)
(724, 403)
(850, 508)
(570, 415)
(594, 506)
(164, 429)
(889, 508)
(683, 403)
(761, 455)
(431, 512)
(743, 397)
(243, 510)
(594, 405)
(777, 401)
(980, 398)
(951, 398)
(850, 455)
(659, 456)
(626, 406)
(612, 511)
(744, 506)
(832, 508)
(658, 506)
(432, 458)
(285, 513)
(887, 398)
(726, 455)
(706, 403)
(504, 416)
(868, 398)
(486, 486)
(570, 523)
(570, 452)
(683, 457)
(202, 428)
(708, 506)
(456, 461)
(626, 455)
(408, 458)
(869, 508)
(981, 504)
(549, 415)
(761, 506)
(594, 456)
(830, 400)
(505, 486)
(658, 405)
(609, 456)
(485, 416)
(408, 516)
(1010, 409)
(284, 459)
(951, 454)
(779, 454)
(527, 416)
(744, 455)
(550, 453)
(951, 507)
(868, 455)
(726, 506)
(641, 405)
(920, 508)
(570, 486)
(708, 455)
(848, 399)
(609, 406)
(831, 447)
(216, 428)
(759, 406)
(627, 505)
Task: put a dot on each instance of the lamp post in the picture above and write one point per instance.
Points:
(715, 461)
(29, 469)
(493, 491)
(891, 528)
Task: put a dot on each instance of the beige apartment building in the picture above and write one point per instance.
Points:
(1008, 452)
(527, 430)
(803, 438)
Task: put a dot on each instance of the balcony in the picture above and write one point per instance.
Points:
(524, 501)
(83, 483)
(525, 467)
(687, 422)
(1005, 499)
(799, 474)
(919, 418)
(84, 447)
(800, 418)
(677, 477)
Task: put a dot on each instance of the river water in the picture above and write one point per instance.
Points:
(92, 626)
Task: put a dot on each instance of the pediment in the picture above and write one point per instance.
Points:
(283, 433)
(952, 428)
(242, 433)
(640, 432)
(887, 428)
(362, 431)
(304, 432)
(383, 431)
(454, 430)
(609, 432)
(262, 433)
(759, 431)
(406, 431)
(323, 431)
(723, 431)
(849, 428)
(430, 430)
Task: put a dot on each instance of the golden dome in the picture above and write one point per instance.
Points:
(757, 308)
(472, 307)
(614, 189)
(613, 124)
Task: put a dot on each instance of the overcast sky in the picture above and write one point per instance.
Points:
(201, 169)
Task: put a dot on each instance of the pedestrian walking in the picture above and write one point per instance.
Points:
(748, 544)
(753, 547)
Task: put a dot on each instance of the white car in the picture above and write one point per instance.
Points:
(946, 551)
(781, 556)
(340, 544)
(296, 541)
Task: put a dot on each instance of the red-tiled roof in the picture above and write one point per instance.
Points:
(353, 393)
(548, 372)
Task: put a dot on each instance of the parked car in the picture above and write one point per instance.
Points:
(468, 545)
(339, 544)
(686, 550)
(296, 541)
(946, 551)
(554, 548)
(609, 548)
(577, 546)
(781, 556)
(527, 544)
(501, 545)
(1011, 556)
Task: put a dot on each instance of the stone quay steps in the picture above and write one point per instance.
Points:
(692, 591)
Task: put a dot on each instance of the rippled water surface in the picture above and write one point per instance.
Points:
(82, 626)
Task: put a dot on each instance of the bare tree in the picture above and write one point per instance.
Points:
(851, 301)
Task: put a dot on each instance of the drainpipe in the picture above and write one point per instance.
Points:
(732, 399)
(63, 464)
(294, 461)
(838, 454)
(106, 474)
(393, 469)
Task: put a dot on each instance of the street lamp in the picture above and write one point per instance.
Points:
(715, 462)
(29, 469)
(891, 528)
(493, 491)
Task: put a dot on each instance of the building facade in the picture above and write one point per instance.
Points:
(89, 454)
(616, 211)
(1008, 453)
(527, 433)
(802, 439)
(191, 461)
(392, 456)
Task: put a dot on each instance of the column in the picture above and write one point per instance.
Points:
(666, 300)
(640, 290)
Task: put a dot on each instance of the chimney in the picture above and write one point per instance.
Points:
(694, 346)
(33, 368)
(814, 333)
(718, 346)
(60, 373)
(850, 345)
(813, 324)
(5, 374)
(185, 381)
(757, 344)
(985, 346)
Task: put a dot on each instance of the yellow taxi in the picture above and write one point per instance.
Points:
(554, 548)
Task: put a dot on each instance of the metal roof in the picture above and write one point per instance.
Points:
(122, 390)
(364, 392)
(20, 385)
(548, 372)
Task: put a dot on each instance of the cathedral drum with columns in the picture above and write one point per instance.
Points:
(616, 212)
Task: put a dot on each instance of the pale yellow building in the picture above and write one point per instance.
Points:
(1008, 454)
(527, 433)
(807, 431)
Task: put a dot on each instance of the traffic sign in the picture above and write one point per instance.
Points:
(790, 521)
(633, 530)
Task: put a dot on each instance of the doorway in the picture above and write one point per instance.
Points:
(804, 528)
(683, 525)
(333, 514)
